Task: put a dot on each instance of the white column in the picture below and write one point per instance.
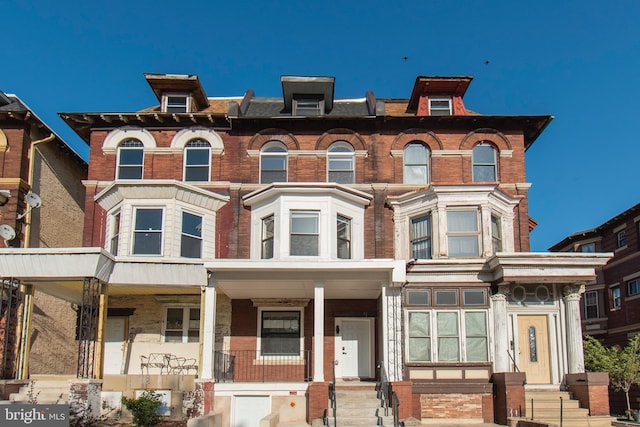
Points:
(575, 356)
(500, 330)
(208, 327)
(392, 332)
(318, 333)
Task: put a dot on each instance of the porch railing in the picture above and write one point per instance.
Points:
(251, 366)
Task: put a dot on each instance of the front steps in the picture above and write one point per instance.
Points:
(43, 391)
(358, 405)
(546, 409)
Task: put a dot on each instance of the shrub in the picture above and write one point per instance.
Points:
(145, 408)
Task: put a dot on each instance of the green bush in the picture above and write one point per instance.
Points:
(145, 408)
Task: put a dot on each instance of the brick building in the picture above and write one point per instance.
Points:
(242, 254)
(36, 161)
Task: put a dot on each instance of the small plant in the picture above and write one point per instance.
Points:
(145, 408)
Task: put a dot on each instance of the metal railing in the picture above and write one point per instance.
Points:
(388, 398)
(251, 366)
(332, 399)
(515, 366)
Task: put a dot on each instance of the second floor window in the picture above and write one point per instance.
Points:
(341, 163)
(343, 235)
(191, 238)
(197, 157)
(616, 299)
(273, 163)
(421, 237)
(267, 238)
(621, 239)
(416, 164)
(304, 233)
(591, 305)
(484, 163)
(496, 234)
(115, 234)
(130, 159)
(147, 234)
(463, 233)
(633, 287)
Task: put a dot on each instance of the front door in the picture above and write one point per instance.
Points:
(354, 351)
(114, 345)
(533, 348)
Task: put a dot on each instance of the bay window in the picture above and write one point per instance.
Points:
(305, 236)
(191, 238)
(463, 233)
(147, 233)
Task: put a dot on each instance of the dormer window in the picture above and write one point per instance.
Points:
(440, 107)
(308, 105)
(175, 103)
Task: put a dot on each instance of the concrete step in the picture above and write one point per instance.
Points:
(42, 392)
(596, 421)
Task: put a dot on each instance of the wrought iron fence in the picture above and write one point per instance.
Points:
(251, 366)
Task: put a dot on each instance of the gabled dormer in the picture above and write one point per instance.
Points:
(307, 96)
(178, 93)
(438, 96)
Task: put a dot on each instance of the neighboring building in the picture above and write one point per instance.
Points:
(250, 249)
(41, 206)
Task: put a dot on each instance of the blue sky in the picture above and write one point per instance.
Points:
(575, 60)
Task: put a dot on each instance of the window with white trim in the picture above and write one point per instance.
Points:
(340, 163)
(440, 106)
(273, 163)
(191, 237)
(633, 287)
(280, 332)
(496, 233)
(181, 324)
(484, 163)
(305, 233)
(621, 239)
(175, 103)
(130, 159)
(343, 237)
(421, 237)
(591, 305)
(615, 297)
(416, 163)
(197, 160)
(463, 233)
(267, 237)
(147, 232)
(115, 233)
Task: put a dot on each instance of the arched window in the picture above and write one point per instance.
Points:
(130, 159)
(484, 163)
(340, 163)
(416, 163)
(273, 163)
(197, 158)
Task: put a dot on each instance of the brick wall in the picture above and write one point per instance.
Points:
(452, 406)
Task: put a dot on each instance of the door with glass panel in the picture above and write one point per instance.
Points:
(533, 348)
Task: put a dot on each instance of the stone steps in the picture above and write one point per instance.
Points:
(42, 392)
(358, 405)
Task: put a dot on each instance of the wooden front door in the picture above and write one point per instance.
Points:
(533, 348)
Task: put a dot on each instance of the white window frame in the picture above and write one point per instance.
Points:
(135, 231)
(187, 167)
(167, 105)
(340, 220)
(409, 163)
(184, 234)
(475, 162)
(462, 334)
(299, 213)
(466, 233)
(114, 233)
(300, 356)
(621, 239)
(186, 326)
(496, 233)
(440, 110)
(413, 240)
(265, 239)
(343, 153)
(265, 153)
(615, 295)
(593, 296)
(122, 148)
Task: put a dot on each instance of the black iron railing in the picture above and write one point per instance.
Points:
(388, 397)
(251, 366)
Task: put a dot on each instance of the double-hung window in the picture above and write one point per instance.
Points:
(197, 157)
(308, 106)
(115, 234)
(273, 163)
(305, 235)
(591, 305)
(484, 163)
(176, 103)
(130, 159)
(191, 239)
(463, 233)
(182, 324)
(280, 333)
(440, 107)
(621, 238)
(343, 237)
(341, 163)
(416, 163)
(147, 232)
(266, 251)
(421, 237)
(496, 234)
(616, 299)
(633, 287)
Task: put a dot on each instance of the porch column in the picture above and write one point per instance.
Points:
(500, 329)
(24, 332)
(318, 332)
(102, 328)
(572, 294)
(392, 332)
(208, 328)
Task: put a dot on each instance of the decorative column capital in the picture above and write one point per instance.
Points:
(573, 292)
(502, 294)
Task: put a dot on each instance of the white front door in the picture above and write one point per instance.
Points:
(249, 410)
(114, 345)
(354, 351)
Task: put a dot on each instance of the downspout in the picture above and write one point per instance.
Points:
(24, 331)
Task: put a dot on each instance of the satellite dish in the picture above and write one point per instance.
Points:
(34, 202)
(7, 233)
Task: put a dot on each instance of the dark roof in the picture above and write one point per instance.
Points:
(11, 103)
(275, 107)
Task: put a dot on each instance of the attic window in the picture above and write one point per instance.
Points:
(175, 103)
(308, 106)
(440, 107)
